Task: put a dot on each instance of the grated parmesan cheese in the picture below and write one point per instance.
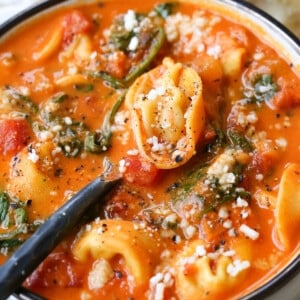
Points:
(130, 20)
(249, 232)
(100, 274)
(133, 44)
(237, 266)
(32, 155)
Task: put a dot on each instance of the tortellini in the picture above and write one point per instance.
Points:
(233, 61)
(80, 49)
(167, 113)
(202, 275)
(50, 46)
(287, 211)
(138, 246)
(31, 174)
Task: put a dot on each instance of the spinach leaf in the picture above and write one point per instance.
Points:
(85, 88)
(99, 141)
(149, 36)
(165, 9)
(208, 188)
(239, 141)
(261, 89)
(70, 134)
(14, 221)
(156, 44)
(18, 101)
(3, 206)
(265, 88)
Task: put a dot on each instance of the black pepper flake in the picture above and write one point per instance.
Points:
(28, 202)
(118, 274)
(58, 172)
(174, 186)
(174, 238)
(216, 247)
(79, 168)
(268, 188)
(14, 205)
(178, 158)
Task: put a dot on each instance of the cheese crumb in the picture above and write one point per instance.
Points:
(100, 274)
(133, 44)
(130, 20)
(32, 155)
(249, 232)
(237, 266)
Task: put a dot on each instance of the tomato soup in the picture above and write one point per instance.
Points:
(198, 115)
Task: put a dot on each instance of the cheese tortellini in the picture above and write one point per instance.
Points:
(167, 113)
(137, 245)
(287, 210)
(31, 174)
(202, 275)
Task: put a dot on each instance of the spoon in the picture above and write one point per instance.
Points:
(30, 254)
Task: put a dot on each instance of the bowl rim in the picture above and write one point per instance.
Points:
(292, 269)
(267, 17)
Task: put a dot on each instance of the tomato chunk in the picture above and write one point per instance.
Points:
(57, 269)
(140, 171)
(14, 135)
(75, 23)
(288, 94)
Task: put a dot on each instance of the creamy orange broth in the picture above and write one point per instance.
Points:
(218, 235)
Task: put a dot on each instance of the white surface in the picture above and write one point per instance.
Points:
(10, 7)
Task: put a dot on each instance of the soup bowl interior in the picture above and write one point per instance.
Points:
(285, 283)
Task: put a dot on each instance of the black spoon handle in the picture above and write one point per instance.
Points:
(29, 255)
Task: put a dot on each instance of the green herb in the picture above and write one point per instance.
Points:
(98, 142)
(71, 134)
(263, 88)
(156, 44)
(59, 98)
(206, 189)
(113, 82)
(151, 37)
(20, 216)
(28, 103)
(120, 37)
(13, 217)
(20, 102)
(140, 68)
(85, 88)
(218, 143)
(220, 195)
(237, 140)
(10, 243)
(3, 206)
(165, 9)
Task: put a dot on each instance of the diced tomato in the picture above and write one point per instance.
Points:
(58, 269)
(14, 135)
(75, 23)
(288, 94)
(116, 64)
(209, 134)
(211, 229)
(140, 171)
(263, 162)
